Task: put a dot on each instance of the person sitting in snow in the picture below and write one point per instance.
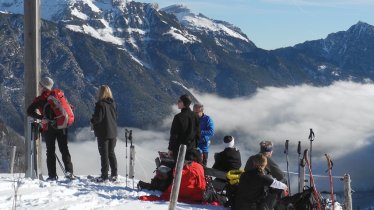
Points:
(272, 169)
(251, 189)
(229, 158)
(193, 183)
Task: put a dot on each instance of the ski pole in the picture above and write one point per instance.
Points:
(311, 139)
(288, 172)
(312, 184)
(298, 165)
(132, 160)
(126, 131)
(330, 164)
(61, 166)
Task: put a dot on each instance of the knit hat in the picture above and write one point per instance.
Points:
(229, 141)
(46, 82)
(266, 146)
(186, 99)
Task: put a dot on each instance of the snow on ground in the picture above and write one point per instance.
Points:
(78, 194)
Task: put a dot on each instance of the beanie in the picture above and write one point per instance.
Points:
(46, 82)
(186, 99)
(229, 141)
(266, 146)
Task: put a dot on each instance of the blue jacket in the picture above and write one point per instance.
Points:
(207, 131)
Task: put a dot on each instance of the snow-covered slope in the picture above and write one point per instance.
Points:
(78, 194)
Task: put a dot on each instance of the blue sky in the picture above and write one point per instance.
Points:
(272, 24)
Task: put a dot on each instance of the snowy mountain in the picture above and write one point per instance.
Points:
(150, 55)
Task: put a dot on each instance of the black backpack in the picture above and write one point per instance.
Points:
(305, 200)
(160, 181)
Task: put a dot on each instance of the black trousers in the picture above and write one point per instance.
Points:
(205, 158)
(50, 137)
(107, 156)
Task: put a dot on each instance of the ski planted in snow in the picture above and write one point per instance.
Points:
(329, 169)
(312, 179)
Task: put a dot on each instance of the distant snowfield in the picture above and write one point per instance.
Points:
(78, 194)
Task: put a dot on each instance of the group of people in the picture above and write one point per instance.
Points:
(192, 128)
(103, 122)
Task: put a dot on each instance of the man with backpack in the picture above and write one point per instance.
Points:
(55, 114)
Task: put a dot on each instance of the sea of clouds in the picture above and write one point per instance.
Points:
(340, 116)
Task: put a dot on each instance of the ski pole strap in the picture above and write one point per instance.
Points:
(130, 137)
(311, 135)
(329, 162)
(126, 131)
(286, 147)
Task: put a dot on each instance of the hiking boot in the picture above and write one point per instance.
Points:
(52, 178)
(113, 178)
(70, 176)
(101, 179)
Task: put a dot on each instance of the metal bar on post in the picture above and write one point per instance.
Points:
(12, 158)
(178, 177)
(32, 59)
(347, 192)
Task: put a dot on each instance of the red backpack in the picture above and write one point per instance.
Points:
(64, 115)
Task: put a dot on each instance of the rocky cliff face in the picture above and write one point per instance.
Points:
(149, 55)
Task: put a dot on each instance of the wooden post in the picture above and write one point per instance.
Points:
(32, 57)
(178, 177)
(347, 192)
(12, 157)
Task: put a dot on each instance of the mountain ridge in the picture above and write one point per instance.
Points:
(156, 56)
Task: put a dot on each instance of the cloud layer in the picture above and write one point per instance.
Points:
(340, 115)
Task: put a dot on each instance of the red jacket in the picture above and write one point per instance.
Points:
(192, 186)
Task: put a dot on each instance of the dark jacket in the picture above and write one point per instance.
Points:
(104, 120)
(207, 131)
(251, 190)
(272, 168)
(228, 159)
(184, 130)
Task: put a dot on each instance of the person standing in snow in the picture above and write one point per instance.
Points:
(206, 131)
(251, 194)
(104, 123)
(49, 132)
(229, 158)
(184, 128)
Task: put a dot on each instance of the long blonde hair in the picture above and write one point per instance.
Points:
(104, 92)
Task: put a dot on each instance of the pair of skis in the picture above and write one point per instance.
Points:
(131, 174)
